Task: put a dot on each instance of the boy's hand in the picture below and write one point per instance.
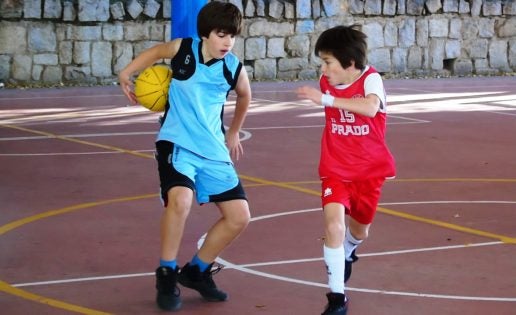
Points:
(310, 93)
(235, 147)
(127, 87)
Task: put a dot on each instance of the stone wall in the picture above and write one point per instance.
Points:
(90, 41)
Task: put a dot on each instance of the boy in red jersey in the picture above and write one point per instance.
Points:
(355, 160)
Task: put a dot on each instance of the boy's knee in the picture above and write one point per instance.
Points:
(359, 233)
(179, 206)
(239, 219)
(335, 230)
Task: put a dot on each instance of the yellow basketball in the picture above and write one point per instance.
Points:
(151, 87)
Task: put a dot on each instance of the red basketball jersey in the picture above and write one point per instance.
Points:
(353, 146)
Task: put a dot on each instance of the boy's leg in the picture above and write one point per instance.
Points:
(173, 220)
(179, 201)
(366, 195)
(355, 235)
(235, 218)
(334, 258)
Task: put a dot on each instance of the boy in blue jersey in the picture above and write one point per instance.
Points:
(193, 149)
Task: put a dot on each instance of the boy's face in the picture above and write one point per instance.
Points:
(218, 44)
(334, 72)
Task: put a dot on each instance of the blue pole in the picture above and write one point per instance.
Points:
(184, 17)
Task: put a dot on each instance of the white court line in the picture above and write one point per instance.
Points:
(245, 136)
(86, 135)
(72, 153)
(58, 97)
(245, 267)
(500, 113)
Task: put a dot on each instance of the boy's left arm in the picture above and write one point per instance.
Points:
(367, 106)
(243, 93)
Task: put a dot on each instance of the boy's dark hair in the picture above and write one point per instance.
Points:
(345, 43)
(219, 16)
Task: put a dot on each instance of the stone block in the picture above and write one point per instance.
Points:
(512, 54)
(389, 7)
(492, 8)
(32, 9)
(101, 64)
(479, 48)
(486, 27)
(464, 7)
(373, 7)
(374, 33)
(81, 52)
(117, 10)
(415, 7)
(288, 64)
(303, 9)
(332, 7)
(11, 9)
(65, 52)
(276, 47)
(69, 11)
(13, 38)
(52, 9)
(298, 46)
(509, 7)
(42, 38)
(45, 59)
(399, 60)
(93, 10)
(356, 6)
(134, 8)
(433, 6)
(151, 8)
(21, 67)
(255, 48)
(507, 28)
(390, 34)
(422, 32)
(407, 35)
(438, 27)
(265, 69)
(450, 6)
(167, 9)
(52, 74)
(414, 58)
(498, 55)
(436, 53)
(275, 9)
(113, 32)
(123, 55)
(452, 49)
(462, 67)
(380, 59)
(305, 26)
(5, 67)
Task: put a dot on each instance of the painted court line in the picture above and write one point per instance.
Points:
(246, 268)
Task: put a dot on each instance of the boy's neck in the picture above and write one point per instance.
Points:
(206, 57)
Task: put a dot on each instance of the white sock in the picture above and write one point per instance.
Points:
(334, 259)
(350, 244)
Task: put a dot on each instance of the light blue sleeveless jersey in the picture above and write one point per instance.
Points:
(197, 95)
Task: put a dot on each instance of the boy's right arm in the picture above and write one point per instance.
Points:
(146, 59)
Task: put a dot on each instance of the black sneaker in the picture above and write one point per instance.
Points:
(168, 293)
(191, 277)
(337, 304)
(347, 271)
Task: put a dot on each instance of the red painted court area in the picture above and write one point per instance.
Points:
(79, 209)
